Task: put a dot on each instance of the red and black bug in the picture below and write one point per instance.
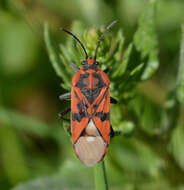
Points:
(90, 108)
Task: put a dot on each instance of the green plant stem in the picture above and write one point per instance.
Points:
(100, 177)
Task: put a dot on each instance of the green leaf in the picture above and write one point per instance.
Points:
(176, 145)
(12, 155)
(135, 156)
(180, 79)
(145, 39)
(24, 123)
(119, 124)
(125, 128)
(72, 175)
(123, 65)
(120, 39)
(50, 183)
(136, 69)
(150, 117)
(59, 67)
(13, 54)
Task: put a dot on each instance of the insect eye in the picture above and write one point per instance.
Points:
(96, 63)
(83, 63)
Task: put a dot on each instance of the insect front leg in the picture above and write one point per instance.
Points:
(65, 96)
(74, 67)
(64, 113)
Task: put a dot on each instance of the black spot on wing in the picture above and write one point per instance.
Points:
(103, 116)
(91, 94)
(80, 84)
(81, 111)
(95, 106)
(78, 116)
(82, 107)
(83, 133)
(101, 83)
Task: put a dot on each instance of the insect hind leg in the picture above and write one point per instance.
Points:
(74, 67)
(112, 133)
(106, 70)
(113, 100)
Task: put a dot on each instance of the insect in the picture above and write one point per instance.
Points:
(90, 108)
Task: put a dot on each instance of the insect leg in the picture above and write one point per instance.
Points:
(64, 113)
(66, 96)
(74, 67)
(106, 70)
(113, 100)
(112, 132)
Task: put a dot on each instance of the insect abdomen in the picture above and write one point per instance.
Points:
(90, 148)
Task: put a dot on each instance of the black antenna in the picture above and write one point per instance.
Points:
(101, 37)
(77, 40)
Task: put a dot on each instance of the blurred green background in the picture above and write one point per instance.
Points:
(33, 143)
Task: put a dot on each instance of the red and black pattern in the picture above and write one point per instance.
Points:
(90, 100)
